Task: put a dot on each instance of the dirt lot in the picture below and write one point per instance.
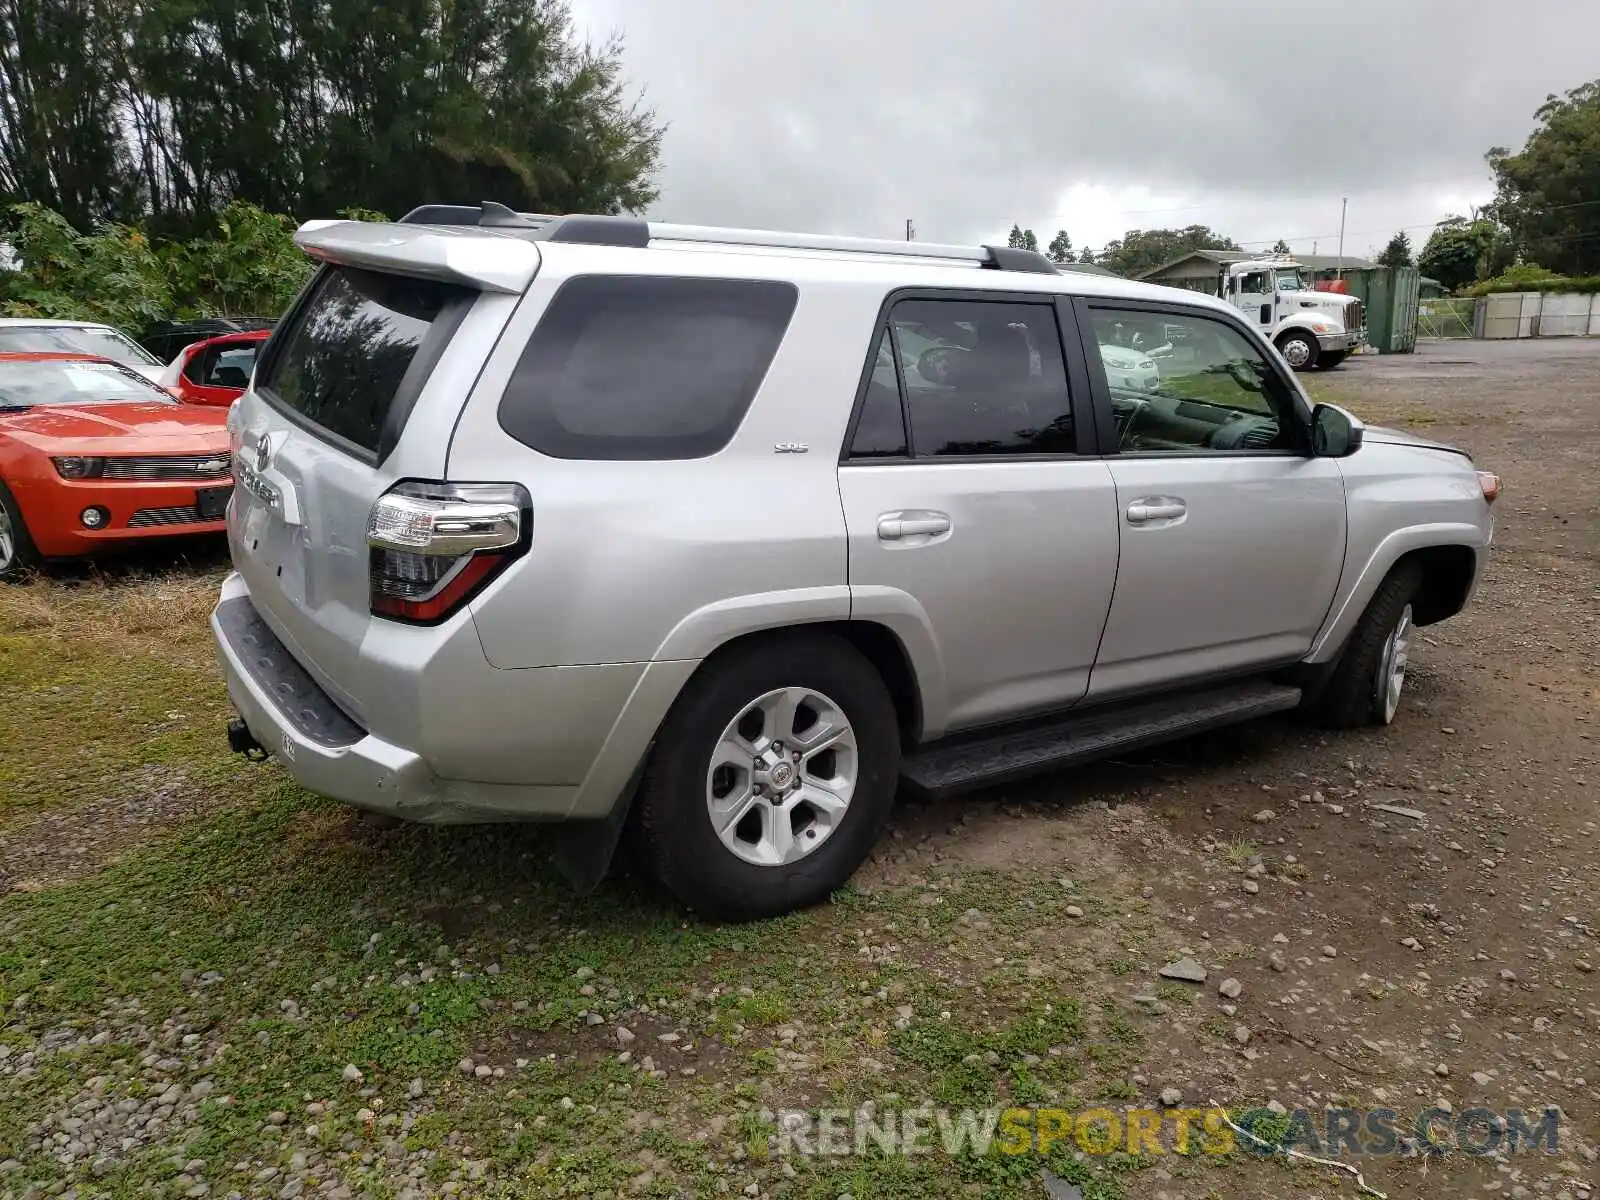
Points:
(213, 984)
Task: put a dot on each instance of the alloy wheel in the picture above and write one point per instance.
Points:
(782, 776)
(8, 540)
(1391, 679)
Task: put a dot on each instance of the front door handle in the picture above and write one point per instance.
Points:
(895, 526)
(1155, 508)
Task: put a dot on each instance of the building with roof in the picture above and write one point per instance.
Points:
(1197, 270)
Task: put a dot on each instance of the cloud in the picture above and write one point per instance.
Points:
(1094, 117)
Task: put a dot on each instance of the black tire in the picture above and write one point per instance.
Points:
(1299, 335)
(24, 556)
(1327, 360)
(1350, 697)
(675, 837)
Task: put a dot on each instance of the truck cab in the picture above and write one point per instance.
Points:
(1311, 328)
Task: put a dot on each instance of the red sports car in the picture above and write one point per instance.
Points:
(93, 455)
(215, 371)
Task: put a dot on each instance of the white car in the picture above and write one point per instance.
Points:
(1131, 369)
(30, 335)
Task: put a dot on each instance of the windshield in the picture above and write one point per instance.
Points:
(28, 383)
(76, 339)
(1289, 280)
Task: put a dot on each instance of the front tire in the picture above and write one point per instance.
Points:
(771, 778)
(1327, 360)
(17, 552)
(1365, 687)
(1299, 350)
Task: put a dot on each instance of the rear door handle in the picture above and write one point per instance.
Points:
(895, 526)
(1155, 508)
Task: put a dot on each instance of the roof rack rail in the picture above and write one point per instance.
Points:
(602, 230)
(489, 214)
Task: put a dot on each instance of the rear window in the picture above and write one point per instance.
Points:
(356, 347)
(629, 367)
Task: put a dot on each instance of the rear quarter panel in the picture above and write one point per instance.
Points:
(634, 561)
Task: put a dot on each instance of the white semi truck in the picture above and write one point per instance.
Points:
(1311, 329)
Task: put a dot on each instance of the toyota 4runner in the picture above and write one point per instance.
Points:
(715, 537)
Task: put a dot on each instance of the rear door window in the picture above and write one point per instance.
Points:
(358, 350)
(638, 367)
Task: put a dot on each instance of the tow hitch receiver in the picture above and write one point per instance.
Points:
(242, 741)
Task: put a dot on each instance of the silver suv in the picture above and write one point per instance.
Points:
(716, 537)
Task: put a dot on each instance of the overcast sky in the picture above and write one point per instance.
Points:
(1096, 116)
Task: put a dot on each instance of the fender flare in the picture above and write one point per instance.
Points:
(701, 633)
(1347, 608)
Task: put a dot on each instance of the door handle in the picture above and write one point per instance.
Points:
(1155, 508)
(897, 525)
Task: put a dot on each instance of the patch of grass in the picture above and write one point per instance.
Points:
(1118, 1028)
(758, 1010)
(970, 1067)
(1239, 853)
(1177, 993)
(104, 679)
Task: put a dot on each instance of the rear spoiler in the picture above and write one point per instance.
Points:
(470, 258)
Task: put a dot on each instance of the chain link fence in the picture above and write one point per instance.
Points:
(1446, 317)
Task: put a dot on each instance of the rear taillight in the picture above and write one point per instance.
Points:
(433, 546)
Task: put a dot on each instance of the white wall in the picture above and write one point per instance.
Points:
(1535, 314)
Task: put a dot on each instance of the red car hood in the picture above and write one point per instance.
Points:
(119, 428)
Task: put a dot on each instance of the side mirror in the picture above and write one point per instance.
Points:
(1335, 432)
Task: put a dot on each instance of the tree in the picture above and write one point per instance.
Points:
(1141, 250)
(1398, 252)
(1546, 194)
(1022, 239)
(244, 264)
(1459, 251)
(1281, 247)
(1087, 256)
(60, 143)
(1060, 249)
(114, 275)
(112, 109)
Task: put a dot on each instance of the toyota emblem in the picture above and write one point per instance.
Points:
(263, 452)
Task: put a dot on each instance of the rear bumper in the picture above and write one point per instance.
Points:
(320, 746)
(555, 744)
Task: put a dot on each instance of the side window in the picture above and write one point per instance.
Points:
(1184, 383)
(983, 377)
(881, 431)
(1254, 284)
(231, 367)
(641, 367)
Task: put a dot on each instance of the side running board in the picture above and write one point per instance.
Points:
(975, 761)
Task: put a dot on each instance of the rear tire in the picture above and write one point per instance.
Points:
(1365, 686)
(733, 816)
(18, 556)
(1299, 349)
